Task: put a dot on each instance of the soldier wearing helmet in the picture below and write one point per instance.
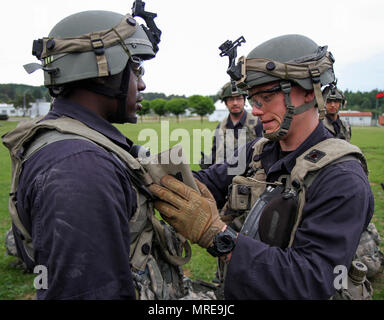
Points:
(79, 200)
(238, 120)
(335, 100)
(297, 211)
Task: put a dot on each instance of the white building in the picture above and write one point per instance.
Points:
(10, 110)
(38, 108)
(356, 118)
(6, 109)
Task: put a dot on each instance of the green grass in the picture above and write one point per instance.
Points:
(17, 285)
(14, 283)
(371, 142)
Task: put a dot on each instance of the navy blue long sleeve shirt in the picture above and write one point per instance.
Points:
(339, 206)
(76, 200)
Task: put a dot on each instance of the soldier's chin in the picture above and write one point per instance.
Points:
(236, 113)
(271, 126)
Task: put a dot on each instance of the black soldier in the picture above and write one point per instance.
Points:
(79, 202)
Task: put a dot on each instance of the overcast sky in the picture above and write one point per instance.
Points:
(188, 61)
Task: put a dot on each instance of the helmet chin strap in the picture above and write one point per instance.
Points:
(120, 116)
(289, 114)
(121, 113)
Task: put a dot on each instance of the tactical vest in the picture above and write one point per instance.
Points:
(245, 190)
(156, 271)
(344, 129)
(249, 127)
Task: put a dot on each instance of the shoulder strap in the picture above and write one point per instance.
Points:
(323, 154)
(223, 124)
(315, 160)
(68, 125)
(329, 126)
(257, 150)
(45, 138)
(250, 124)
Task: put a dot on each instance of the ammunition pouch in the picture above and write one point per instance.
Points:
(244, 192)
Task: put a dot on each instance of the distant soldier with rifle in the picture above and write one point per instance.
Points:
(335, 100)
(295, 214)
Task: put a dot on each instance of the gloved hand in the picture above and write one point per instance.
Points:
(194, 216)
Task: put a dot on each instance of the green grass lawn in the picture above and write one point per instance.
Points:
(17, 285)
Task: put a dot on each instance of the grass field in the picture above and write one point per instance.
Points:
(14, 284)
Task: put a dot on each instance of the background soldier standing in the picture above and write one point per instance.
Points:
(332, 121)
(237, 119)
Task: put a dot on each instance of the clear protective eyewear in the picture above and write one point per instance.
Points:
(137, 66)
(235, 98)
(265, 96)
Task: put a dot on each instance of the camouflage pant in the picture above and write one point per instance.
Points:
(368, 251)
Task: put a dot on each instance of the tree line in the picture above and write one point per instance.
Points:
(365, 101)
(196, 104)
(21, 95)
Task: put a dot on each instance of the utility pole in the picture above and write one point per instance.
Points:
(24, 102)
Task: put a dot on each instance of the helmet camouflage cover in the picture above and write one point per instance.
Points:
(226, 91)
(331, 92)
(89, 44)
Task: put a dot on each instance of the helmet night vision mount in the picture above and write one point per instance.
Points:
(229, 49)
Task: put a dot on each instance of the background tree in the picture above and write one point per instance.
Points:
(4, 98)
(177, 106)
(37, 94)
(146, 108)
(158, 107)
(365, 104)
(23, 101)
(48, 97)
(201, 105)
(153, 95)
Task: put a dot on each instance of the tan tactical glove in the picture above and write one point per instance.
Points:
(194, 216)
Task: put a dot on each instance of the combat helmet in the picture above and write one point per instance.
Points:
(331, 92)
(227, 91)
(96, 45)
(289, 59)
